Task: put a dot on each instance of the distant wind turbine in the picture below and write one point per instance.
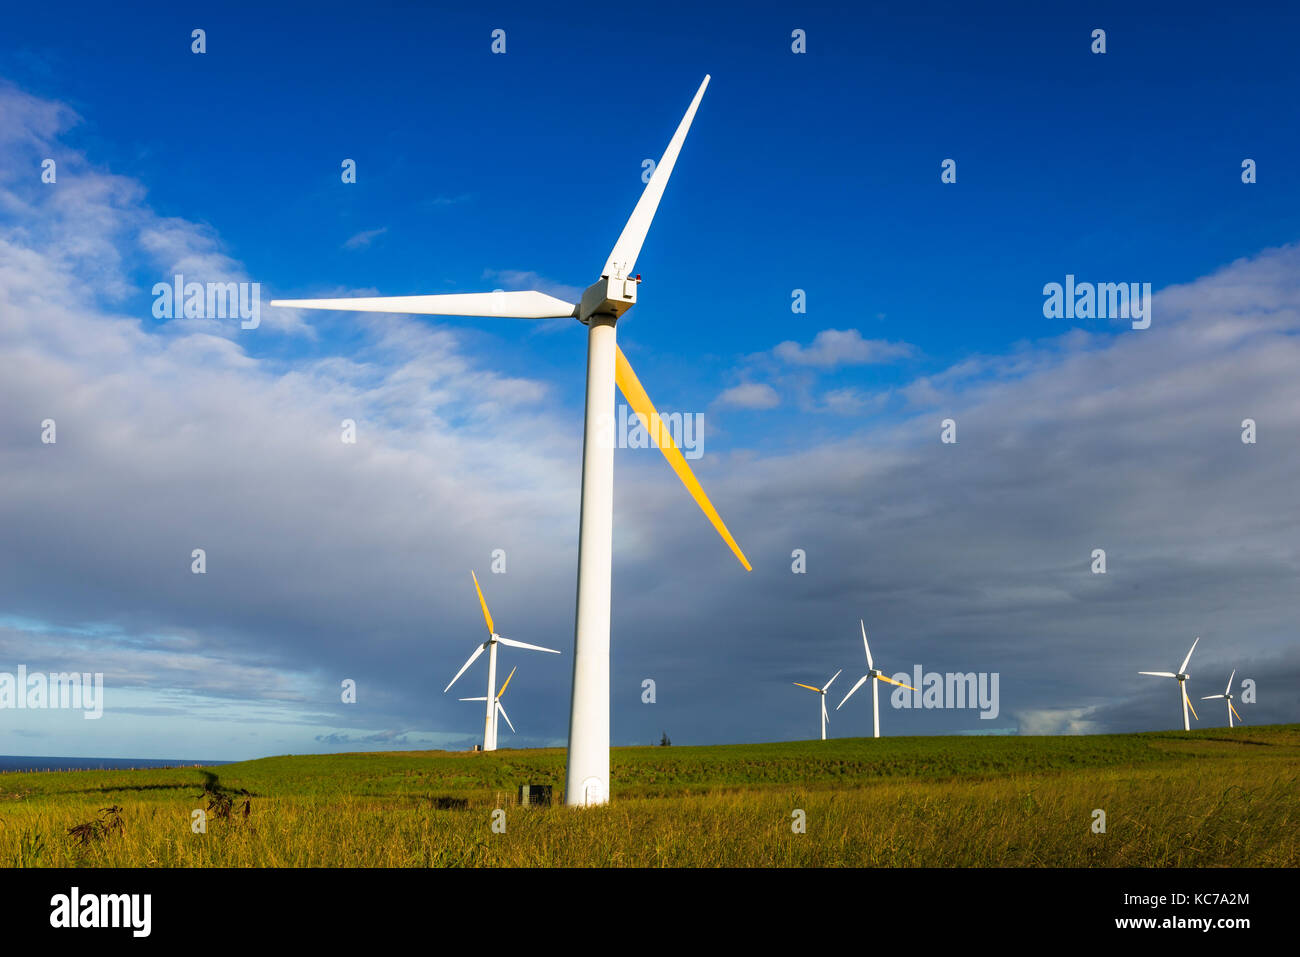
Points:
(876, 674)
(490, 646)
(499, 710)
(599, 309)
(822, 692)
(1181, 676)
(1227, 693)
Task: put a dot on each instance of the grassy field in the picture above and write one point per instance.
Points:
(1205, 798)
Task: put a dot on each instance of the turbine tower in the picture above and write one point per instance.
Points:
(490, 646)
(822, 692)
(599, 309)
(1181, 676)
(499, 710)
(1227, 693)
(876, 675)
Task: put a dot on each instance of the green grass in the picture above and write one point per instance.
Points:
(1207, 798)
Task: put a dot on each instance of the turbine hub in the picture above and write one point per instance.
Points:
(607, 297)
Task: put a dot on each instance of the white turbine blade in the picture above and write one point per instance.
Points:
(477, 651)
(1159, 674)
(622, 258)
(493, 305)
(1228, 689)
(825, 717)
(504, 715)
(1209, 696)
(1183, 668)
(851, 690)
(479, 698)
(519, 644)
(832, 681)
(870, 663)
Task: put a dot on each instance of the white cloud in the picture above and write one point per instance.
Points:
(1057, 721)
(329, 561)
(364, 238)
(325, 560)
(526, 279)
(835, 347)
(851, 401)
(750, 395)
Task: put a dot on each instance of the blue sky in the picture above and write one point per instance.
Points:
(818, 172)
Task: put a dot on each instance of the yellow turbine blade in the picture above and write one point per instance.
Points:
(636, 397)
(810, 687)
(1190, 705)
(487, 615)
(508, 677)
(1234, 711)
(893, 682)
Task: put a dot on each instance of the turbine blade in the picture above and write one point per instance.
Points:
(851, 690)
(487, 615)
(1159, 674)
(893, 682)
(489, 305)
(622, 258)
(520, 644)
(481, 697)
(870, 663)
(1236, 712)
(1228, 689)
(477, 651)
(1210, 696)
(832, 681)
(503, 687)
(825, 717)
(1189, 704)
(636, 397)
(1183, 668)
(504, 715)
(809, 687)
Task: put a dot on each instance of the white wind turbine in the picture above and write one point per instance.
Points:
(1181, 676)
(1227, 693)
(877, 675)
(490, 646)
(601, 305)
(499, 710)
(822, 692)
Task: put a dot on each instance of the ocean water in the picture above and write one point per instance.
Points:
(10, 763)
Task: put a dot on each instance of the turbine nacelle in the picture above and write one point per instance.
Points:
(607, 296)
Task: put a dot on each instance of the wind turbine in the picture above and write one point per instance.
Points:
(599, 309)
(1227, 693)
(1181, 676)
(876, 674)
(499, 710)
(822, 692)
(490, 646)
